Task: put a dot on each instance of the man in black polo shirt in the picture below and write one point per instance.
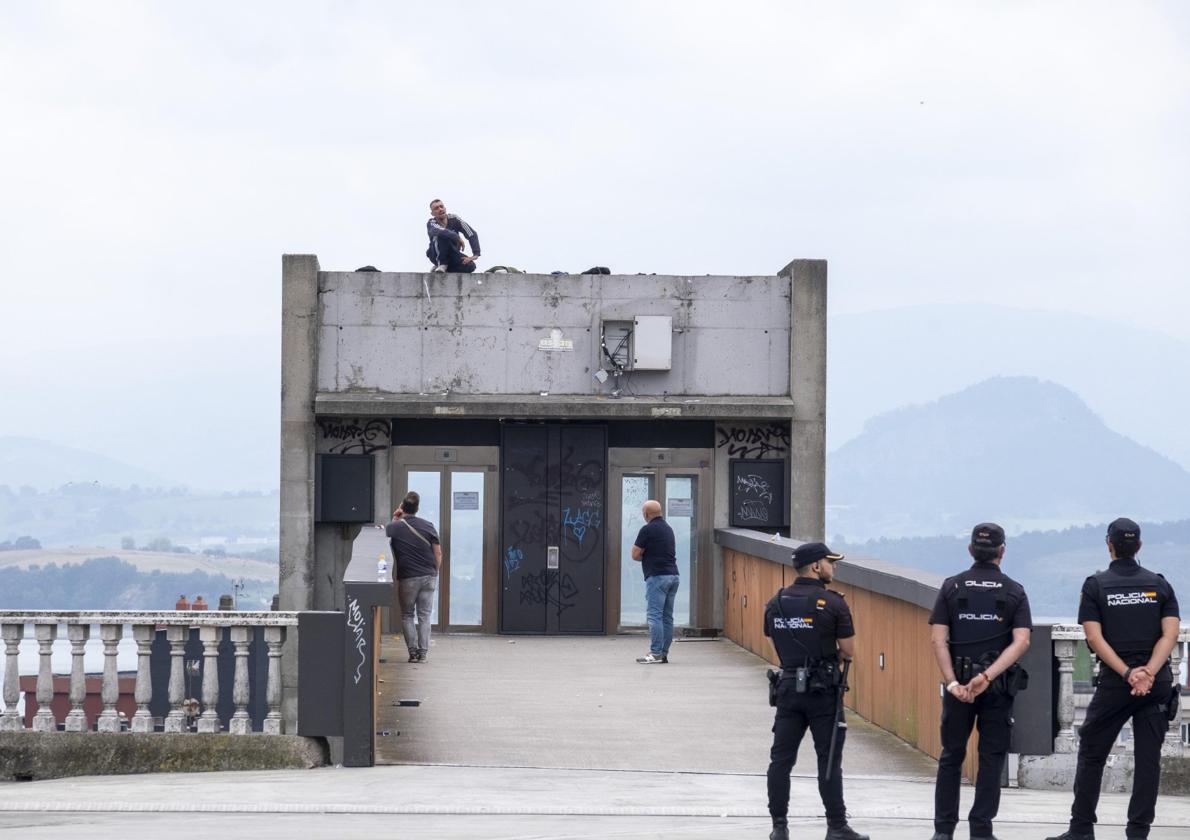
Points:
(654, 549)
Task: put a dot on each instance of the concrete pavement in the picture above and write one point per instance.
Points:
(456, 802)
(565, 738)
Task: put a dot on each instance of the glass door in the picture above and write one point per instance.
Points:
(465, 530)
(677, 492)
(428, 485)
(635, 490)
(681, 512)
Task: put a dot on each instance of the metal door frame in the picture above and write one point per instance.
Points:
(445, 460)
(661, 463)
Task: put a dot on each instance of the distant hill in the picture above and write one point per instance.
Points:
(202, 412)
(1051, 565)
(144, 561)
(87, 514)
(1025, 453)
(1134, 379)
(26, 461)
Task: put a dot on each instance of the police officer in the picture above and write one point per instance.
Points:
(810, 626)
(980, 627)
(1130, 616)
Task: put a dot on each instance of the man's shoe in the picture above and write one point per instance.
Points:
(650, 659)
(845, 832)
(1072, 835)
(779, 832)
(412, 656)
(421, 656)
(438, 269)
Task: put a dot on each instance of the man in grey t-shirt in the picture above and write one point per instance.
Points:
(417, 557)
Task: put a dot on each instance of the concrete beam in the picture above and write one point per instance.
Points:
(534, 406)
(807, 388)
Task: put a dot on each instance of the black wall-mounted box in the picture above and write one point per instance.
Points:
(344, 488)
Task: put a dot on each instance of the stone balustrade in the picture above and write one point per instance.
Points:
(1065, 640)
(239, 627)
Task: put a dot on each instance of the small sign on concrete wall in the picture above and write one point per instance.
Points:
(556, 342)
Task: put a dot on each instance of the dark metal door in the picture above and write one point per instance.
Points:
(553, 549)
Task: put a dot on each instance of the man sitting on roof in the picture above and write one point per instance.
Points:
(448, 234)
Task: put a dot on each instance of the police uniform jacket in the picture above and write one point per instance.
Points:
(981, 606)
(1129, 602)
(804, 620)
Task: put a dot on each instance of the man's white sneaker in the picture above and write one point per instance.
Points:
(650, 659)
(438, 268)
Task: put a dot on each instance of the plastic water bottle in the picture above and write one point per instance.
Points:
(382, 570)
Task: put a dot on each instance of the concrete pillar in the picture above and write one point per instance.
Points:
(807, 389)
(299, 381)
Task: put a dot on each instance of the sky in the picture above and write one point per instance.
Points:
(157, 159)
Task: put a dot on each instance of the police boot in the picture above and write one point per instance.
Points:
(844, 832)
(1072, 835)
(780, 830)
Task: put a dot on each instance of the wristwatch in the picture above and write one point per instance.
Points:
(1127, 674)
(950, 685)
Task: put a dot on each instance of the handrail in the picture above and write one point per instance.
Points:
(184, 712)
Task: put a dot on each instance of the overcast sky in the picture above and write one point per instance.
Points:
(157, 159)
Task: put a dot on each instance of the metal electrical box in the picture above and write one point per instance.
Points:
(652, 342)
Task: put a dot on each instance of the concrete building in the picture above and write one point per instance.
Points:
(535, 414)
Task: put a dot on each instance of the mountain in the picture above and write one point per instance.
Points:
(1026, 453)
(1051, 565)
(1135, 379)
(30, 462)
(202, 412)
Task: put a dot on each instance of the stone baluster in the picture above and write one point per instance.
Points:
(209, 721)
(241, 723)
(175, 721)
(274, 637)
(76, 720)
(1064, 650)
(142, 721)
(1173, 736)
(10, 721)
(109, 718)
(44, 721)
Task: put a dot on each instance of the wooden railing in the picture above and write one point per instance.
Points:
(176, 626)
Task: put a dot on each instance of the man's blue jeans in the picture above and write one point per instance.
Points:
(660, 591)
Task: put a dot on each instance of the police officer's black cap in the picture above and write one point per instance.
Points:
(812, 552)
(1123, 533)
(987, 535)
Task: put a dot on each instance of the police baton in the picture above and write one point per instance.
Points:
(840, 720)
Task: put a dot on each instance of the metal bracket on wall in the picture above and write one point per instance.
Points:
(446, 456)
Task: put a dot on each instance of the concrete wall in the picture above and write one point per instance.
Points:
(480, 334)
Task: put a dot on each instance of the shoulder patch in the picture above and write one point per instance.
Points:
(837, 592)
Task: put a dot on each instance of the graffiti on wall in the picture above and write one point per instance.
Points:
(764, 441)
(351, 436)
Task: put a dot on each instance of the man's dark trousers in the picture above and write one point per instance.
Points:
(795, 714)
(992, 713)
(445, 251)
(1110, 708)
